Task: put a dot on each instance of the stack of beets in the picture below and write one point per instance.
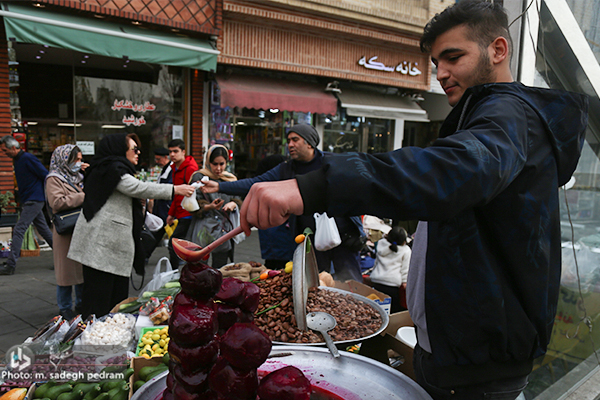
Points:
(215, 347)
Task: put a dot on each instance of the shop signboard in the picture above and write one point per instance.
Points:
(87, 147)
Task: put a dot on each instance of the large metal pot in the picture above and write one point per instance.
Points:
(350, 377)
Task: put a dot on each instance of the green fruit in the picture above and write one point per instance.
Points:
(166, 358)
(74, 395)
(87, 387)
(121, 395)
(117, 392)
(110, 384)
(40, 391)
(92, 394)
(154, 373)
(113, 368)
(138, 384)
(145, 371)
(127, 374)
(55, 391)
(102, 396)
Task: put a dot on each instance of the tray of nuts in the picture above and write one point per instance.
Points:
(358, 318)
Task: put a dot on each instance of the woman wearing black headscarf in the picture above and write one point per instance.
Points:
(107, 239)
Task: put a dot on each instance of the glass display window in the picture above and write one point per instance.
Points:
(252, 134)
(64, 96)
(358, 134)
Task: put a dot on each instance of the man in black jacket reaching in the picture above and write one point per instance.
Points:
(485, 269)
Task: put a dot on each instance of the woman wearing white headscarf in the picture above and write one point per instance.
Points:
(215, 206)
(64, 191)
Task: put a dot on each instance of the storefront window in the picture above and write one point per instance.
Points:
(368, 135)
(81, 98)
(251, 134)
(152, 111)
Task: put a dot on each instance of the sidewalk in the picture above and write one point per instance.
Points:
(28, 298)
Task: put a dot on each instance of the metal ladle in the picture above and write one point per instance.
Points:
(322, 323)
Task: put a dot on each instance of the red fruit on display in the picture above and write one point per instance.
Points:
(200, 280)
(180, 393)
(194, 382)
(232, 291)
(246, 317)
(227, 316)
(170, 381)
(194, 358)
(167, 394)
(245, 346)
(193, 325)
(183, 299)
(287, 383)
(232, 383)
(251, 297)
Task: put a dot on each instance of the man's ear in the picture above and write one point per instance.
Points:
(499, 50)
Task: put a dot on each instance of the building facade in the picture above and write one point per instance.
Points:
(351, 68)
(74, 71)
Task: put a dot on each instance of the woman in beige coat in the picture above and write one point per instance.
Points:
(107, 236)
(64, 191)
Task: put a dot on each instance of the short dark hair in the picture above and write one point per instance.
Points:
(177, 143)
(486, 21)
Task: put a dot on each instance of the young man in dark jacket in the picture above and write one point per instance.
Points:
(485, 269)
(30, 174)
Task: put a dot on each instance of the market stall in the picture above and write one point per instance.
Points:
(238, 332)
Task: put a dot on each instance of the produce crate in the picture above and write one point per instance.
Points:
(137, 363)
(31, 253)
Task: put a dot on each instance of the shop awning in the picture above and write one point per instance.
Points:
(375, 105)
(31, 25)
(264, 93)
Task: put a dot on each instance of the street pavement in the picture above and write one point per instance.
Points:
(28, 298)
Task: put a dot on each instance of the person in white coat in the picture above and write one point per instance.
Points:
(107, 236)
(391, 267)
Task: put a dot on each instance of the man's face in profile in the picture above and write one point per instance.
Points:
(461, 63)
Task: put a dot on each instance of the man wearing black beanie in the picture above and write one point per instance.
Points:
(303, 140)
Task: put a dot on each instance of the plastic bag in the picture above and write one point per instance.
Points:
(160, 278)
(153, 222)
(189, 203)
(204, 231)
(327, 235)
(234, 217)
